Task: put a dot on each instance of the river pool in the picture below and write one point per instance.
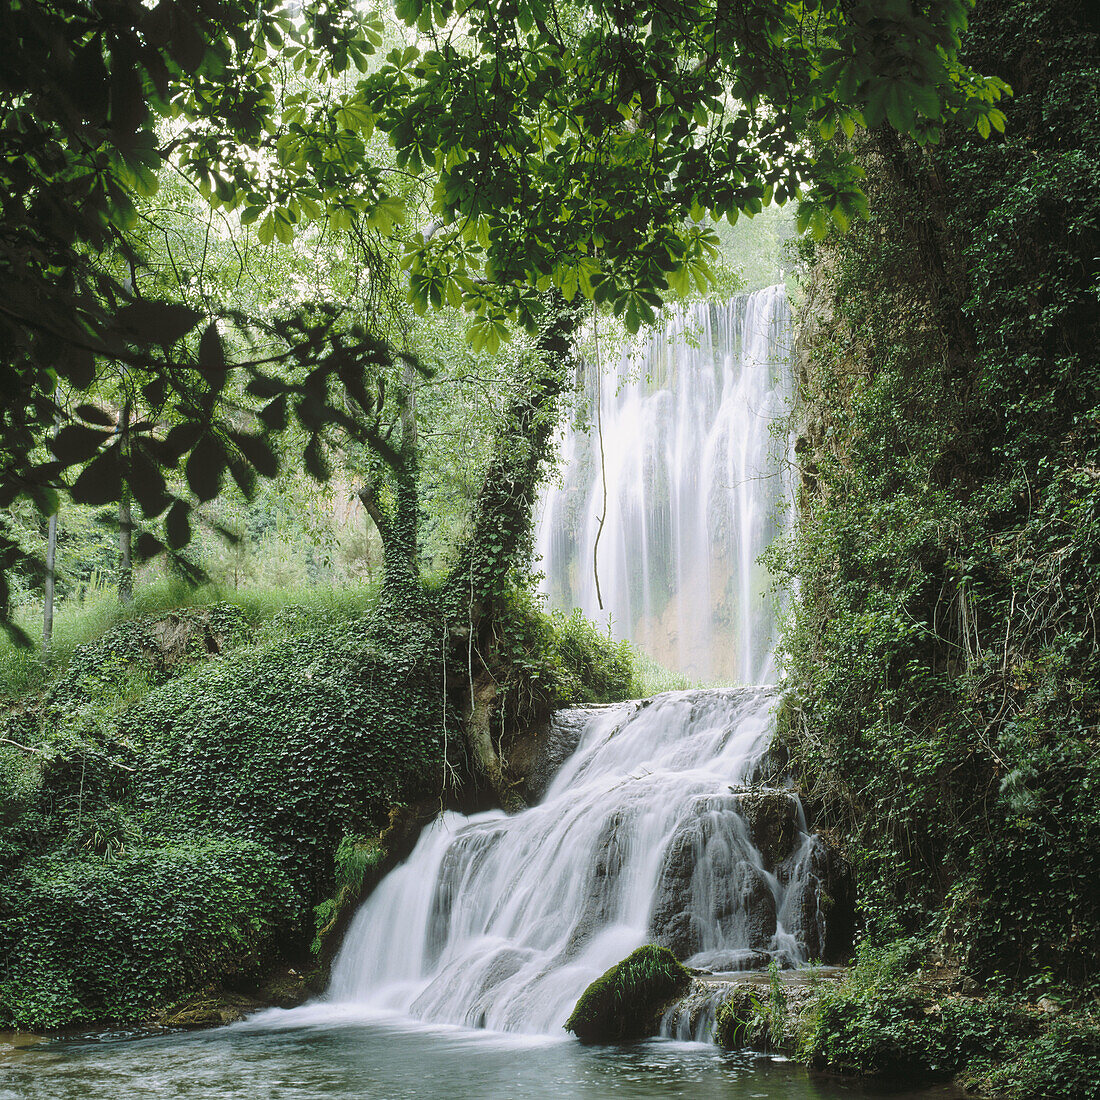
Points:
(329, 1053)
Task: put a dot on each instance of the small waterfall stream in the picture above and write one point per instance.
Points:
(650, 830)
(696, 489)
(647, 833)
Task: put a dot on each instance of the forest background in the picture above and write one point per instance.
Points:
(247, 255)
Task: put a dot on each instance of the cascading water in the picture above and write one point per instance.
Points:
(696, 486)
(645, 834)
(650, 830)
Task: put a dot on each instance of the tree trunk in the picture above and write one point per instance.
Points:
(392, 500)
(51, 553)
(51, 573)
(125, 514)
(499, 544)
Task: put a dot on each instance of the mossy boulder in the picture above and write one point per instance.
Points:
(629, 1000)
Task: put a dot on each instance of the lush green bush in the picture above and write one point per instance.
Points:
(887, 1020)
(86, 940)
(1062, 1063)
(296, 743)
(553, 660)
(288, 731)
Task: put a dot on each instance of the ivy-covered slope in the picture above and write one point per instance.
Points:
(172, 805)
(943, 655)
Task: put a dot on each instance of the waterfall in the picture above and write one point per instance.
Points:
(647, 833)
(650, 828)
(695, 489)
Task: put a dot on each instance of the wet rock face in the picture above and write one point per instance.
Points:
(603, 887)
(554, 746)
(716, 899)
(461, 864)
(774, 822)
(711, 894)
(820, 905)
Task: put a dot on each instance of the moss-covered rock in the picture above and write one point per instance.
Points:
(628, 1001)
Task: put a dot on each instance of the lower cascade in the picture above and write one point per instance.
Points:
(649, 832)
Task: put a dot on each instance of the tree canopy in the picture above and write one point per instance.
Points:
(581, 147)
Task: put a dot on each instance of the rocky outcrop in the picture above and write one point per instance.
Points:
(716, 888)
(775, 821)
(820, 904)
(553, 746)
(710, 890)
(217, 1005)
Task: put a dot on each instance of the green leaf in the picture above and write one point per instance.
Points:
(267, 229)
(149, 322)
(100, 482)
(205, 466)
(178, 525)
(315, 462)
(211, 351)
(76, 443)
(258, 452)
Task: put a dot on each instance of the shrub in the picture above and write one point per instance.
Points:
(84, 940)
(296, 743)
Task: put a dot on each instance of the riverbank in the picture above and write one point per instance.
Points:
(890, 1019)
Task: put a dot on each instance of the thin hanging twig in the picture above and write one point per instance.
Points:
(603, 467)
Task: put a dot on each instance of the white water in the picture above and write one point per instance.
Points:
(501, 922)
(695, 490)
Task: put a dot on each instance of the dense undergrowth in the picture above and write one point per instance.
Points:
(891, 1019)
(181, 792)
(942, 656)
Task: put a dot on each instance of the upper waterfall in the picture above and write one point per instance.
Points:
(696, 486)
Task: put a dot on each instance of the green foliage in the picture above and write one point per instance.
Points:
(590, 666)
(627, 1001)
(296, 742)
(941, 655)
(747, 1020)
(883, 1021)
(606, 134)
(651, 677)
(271, 612)
(356, 857)
(554, 660)
(88, 940)
(1062, 1063)
(277, 729)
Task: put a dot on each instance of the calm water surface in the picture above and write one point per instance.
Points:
(322, 1053)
